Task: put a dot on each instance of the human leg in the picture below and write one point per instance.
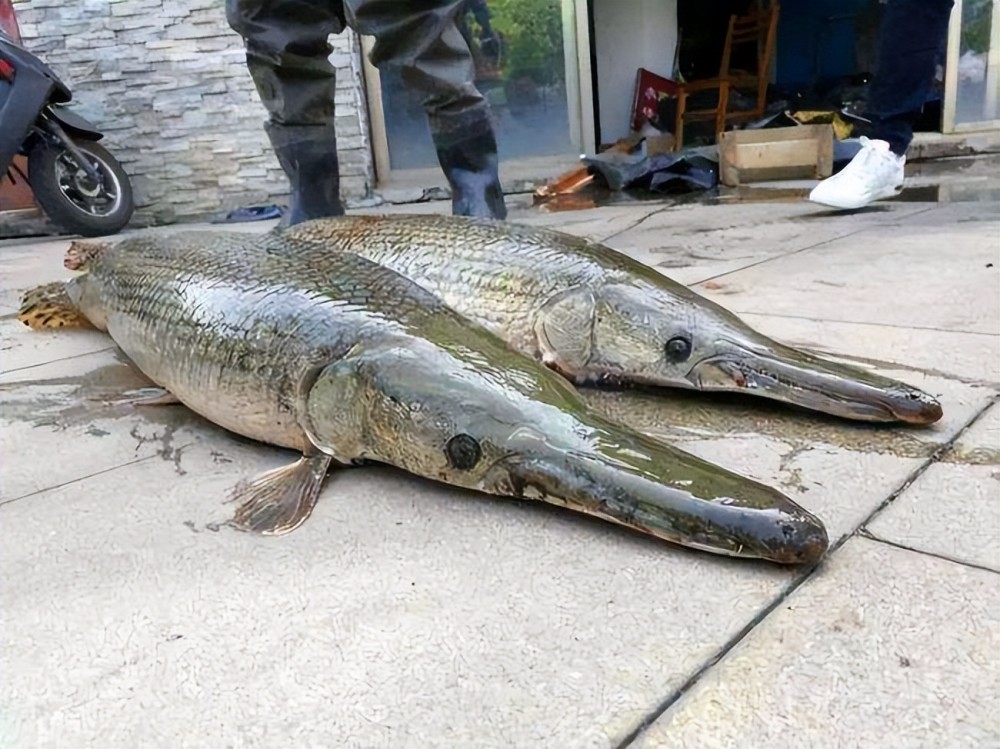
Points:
(910, 37)
(424, 40)
(287, 54)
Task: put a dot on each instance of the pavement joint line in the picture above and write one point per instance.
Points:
(796, 252)
(864, 322)
(795, 584)
(900, 367)
(11, 500)
(735, 640)
(633, 225)
(865, 533)
(53, 361)
(935, 457)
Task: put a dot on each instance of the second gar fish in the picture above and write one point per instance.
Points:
(599, 317)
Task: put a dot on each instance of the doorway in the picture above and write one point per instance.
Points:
(533, 66)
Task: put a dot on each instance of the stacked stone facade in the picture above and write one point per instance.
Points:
(166, 81)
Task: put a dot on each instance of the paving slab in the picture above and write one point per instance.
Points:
(22, 348)
(854, 278)
(953, 509)
(944, 213)
(980, 443)
(402, 614)
(69, 418)
(967, 357)
(884, 648)
(693, 242)
(24, 265)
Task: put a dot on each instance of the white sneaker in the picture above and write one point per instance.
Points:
(874, 173)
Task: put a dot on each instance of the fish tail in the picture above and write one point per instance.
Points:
(50, 306)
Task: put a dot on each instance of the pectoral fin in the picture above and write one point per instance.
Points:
(279, 501)
(563, 329)
(151, 396)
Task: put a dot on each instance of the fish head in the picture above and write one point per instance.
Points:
(503, 425)
(668, 336)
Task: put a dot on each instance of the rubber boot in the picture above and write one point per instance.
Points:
(308, 154)
(471, 168)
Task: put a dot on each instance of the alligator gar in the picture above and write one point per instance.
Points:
(599, 317)
(347, 361)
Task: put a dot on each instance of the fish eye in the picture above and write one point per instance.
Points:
(678, 349)
(463, 452)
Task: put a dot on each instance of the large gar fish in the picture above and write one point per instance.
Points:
(346, 361)
(598, 316)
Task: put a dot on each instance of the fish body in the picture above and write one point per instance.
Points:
(599, 317)
(347, 361)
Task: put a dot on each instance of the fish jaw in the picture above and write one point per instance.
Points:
(785, 374)
(664, 492)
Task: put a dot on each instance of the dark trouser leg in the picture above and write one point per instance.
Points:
(909, 40)
(287, 51)
(424, 40)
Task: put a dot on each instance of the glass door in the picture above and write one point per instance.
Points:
(532, 64)
(972, 74)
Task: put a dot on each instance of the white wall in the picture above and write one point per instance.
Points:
(630, 34)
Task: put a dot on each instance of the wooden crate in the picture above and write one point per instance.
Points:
(775, 153)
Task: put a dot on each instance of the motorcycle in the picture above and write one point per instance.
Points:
(77, 183)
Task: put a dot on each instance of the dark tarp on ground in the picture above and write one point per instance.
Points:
(688, 169)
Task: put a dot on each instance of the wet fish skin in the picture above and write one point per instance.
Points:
(346, 361)
(599, 317)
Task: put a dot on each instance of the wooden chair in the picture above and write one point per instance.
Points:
(757, 27)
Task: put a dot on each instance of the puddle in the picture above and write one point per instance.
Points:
(758, 194)
(966, 191)
(960, 180)
(973, 191)
(975, 456)
(689, 416)
(64, 402)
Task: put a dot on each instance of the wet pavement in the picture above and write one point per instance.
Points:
(408, 614)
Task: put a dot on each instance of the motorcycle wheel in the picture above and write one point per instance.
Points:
(72, 199)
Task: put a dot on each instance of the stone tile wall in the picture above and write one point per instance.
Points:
(167, 82)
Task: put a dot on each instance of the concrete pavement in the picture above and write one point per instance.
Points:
(407, 614)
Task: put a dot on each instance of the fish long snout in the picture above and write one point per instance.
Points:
(671, 495)
(807, 381)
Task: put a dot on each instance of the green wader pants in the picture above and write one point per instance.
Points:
(287, 54)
